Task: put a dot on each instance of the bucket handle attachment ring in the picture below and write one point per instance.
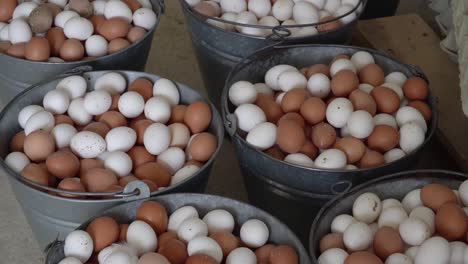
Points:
(230, 123)
(341, 187)
(135, 190)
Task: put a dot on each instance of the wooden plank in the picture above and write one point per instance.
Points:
(412, 41)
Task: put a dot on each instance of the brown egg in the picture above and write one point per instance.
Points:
(113, 189)
(97, 21)
(99, 128)
(56, 38)
(323, 135)
(200, 259)
(63, 119)
(330, 26)
(117, 45)
(177, 114)
(72, 50)
(142, 86)
(451, 222)
(435, 195)
(423, 108)
(206, 9)
(272, 110)
(198, 117)
(303, 71)
(263, 253)
(275, 152)
(202, 147)
(17, 142)
(363, 101)
(352, 147)
(123, 232)
(123, 181)
(344, 82)
(290, 136)
(166, 237)
(293, 100)
(4, 46)
(104, 231)
(7, 7)
(153, 258)
(113, 119)
(55, 9)
(387, 241)
(39, 145)
(226, 240)
(154, 214)
(114, 28)
(36, 173)
(332, 240)
(309, 149)
(415, 88)
(383, 138)
(40, 19)
(63, 164)
(134, 5)
(386, 99)
(133, 121)
(136, 34)
(155, 172)
(371, 159)
(17, 50)
(313, 110)
(72, 185)
(140, 128)
(140, 155)
(293, 117)
(175, 251)
(115, 102)
(99, 180)
(318, 68)
(153, 187)
(372, 74)
(87, 164)
(362, 257)
(283, 255)
(83, 7)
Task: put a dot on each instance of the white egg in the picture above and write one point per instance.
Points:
(120, 139)
(179, 216)
(98, 7)
(60, 3)
(108, 251)
(289, 80)
(97, 102)
(351, 167)
(262, 136)
(70, 260)
(17, 161)
(324, 13)
(269, 21)
(27, 112)
(360, 124)
(367, 207)
(206, 246)
(407, 114)
(119, 162)
(96, 45)
(345, 9)
(385, 119)
(333, 256)
(158, 109)
(78, 113)
(120, 257)
(397, 78)
(3, 25)
(338, 112)
(435, 250)
(388, 203)
(362, 58)
(457, 252)
(145, 18)
(247, 18)
(272, 75)
(282, 9)
(412, 200)
(366, 87)
(357, 237)
(425, 214)
(78, 28)
(411, 252)
(88, 145)
(249, 116)
(112, 82)
(24, 9)
(242, 92)
(241, 255)
(76, 86)
(131, 104)
(305, 13)
(216, 23)
(192, 228)
(398, 258)
(263, 89)
(180, 135)
(319, 85)
(393, 155)
(62, 18)
(55, 60)
(342, 64)
(292, 30)
(234, 6)
(173, 158)
(5, 33)
(63, 133)
(279, 98)
(167, 89)
(116, 8)
(141, 237)
(411, 136)
(184, 173)
(252, 31)
(341, 222)
(305, 32)
(42, 120)
(56, 101)
(299, 159)
(392, 217)
(19, 31)
(260, 8)
(331, 159)
(463, 192)
(414, 231)
(219, 220)
(332, 5)
(254, 233)
(192, 2)
(157, 138)
(78, 244)
(232, 17)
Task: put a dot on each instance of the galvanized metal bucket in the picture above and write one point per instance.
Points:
(303, 190)
(52, 217)
(392, 186)
(18, 74)
(125, 213)
(218, 51)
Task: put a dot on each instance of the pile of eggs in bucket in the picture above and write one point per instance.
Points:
(429, 226)
(272, 13)
(102, 139)
(182, 237)
(62, 30)
(345, 115)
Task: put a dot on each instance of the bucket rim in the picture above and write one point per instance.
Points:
(394, 176)
(218, 132)
(416, 72)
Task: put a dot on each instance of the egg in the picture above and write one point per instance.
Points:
(387, 241)
(342, 62)
(416, 88)
(174, 250)
(432, 251)
(352, 147)
(112, 82)
(338, 112)
(271, 109)
(451, 222)
(363, 101)
(398, 258)
(202, 147)
(63, 164)
(201, 258)
(423, 108)
(104, 231)
(392, 217)
(119, 162)
(154, 214)
(116, 8)
(78, 244)
(113, 28)
(142, 86)
(371, 159)
(141, 237)
(362, 257)
(205, 245)
(332, 240)
(88, 144)
(70, 260)
(177, 114)
(19, 31)
(411, 136)
(71, 185)
(145, 18)
(372, 74)
(96, 46)
(180, 215)
(407, 113)
(113, 119)
(226, 240)
(425, 214)
(41, 19)
(99, 128)
(289, 80)
(414, 231)
(118, 253)
(360, 124)
(36, 173)
(72, 50)
(333, 255)
(248, 115)
(17, 50)
(290, 136)
(140, 155)
(42, 120)
(397, 89)
(154, 172)
(6, 10)
(383, 138)
(98, 179)
(74, 85)
(397, 78)
(367, 207)
(184, 173)
(323, 135)
(358, 236)
(180, 135)
(152, 257)
(78, 28)
(385, 119)
(39, 145)
(254, 233)
(17, 142)
(331, 159)
(17, 161)
(120, 139)
(117, 45)
(87, 164)
(386, 99)
(283, 254)
(360, 59)
(192, 228)
(299, 159)
(56, 101)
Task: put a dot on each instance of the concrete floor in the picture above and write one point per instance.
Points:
(173, 58)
